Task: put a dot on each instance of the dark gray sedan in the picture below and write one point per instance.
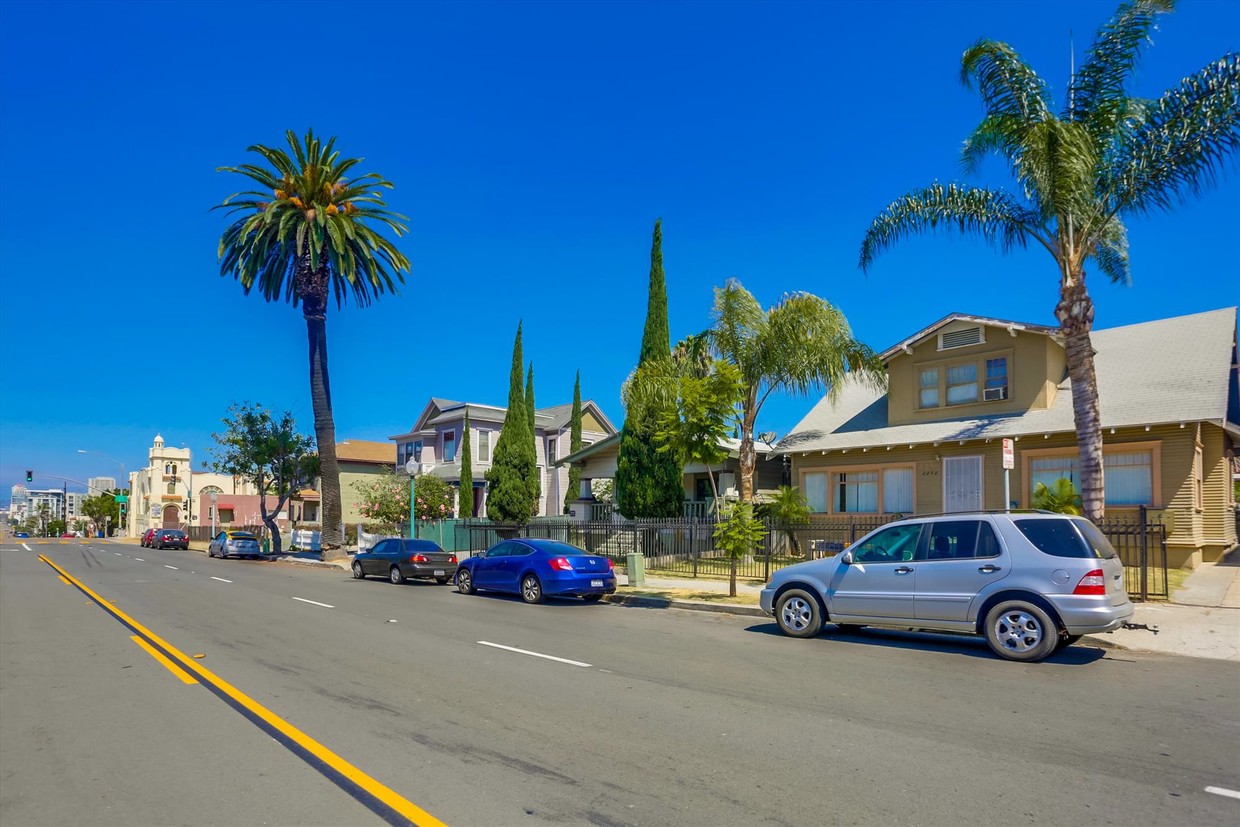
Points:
(399, 559)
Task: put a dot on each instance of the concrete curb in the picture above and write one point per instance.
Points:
(649, 602)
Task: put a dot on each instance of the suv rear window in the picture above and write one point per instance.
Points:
(1061, 539)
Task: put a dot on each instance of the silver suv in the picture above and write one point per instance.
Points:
(1031, 583)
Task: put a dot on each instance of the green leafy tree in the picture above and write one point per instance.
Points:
(1104, 155)
(432, 498)
(737, 535)
(465, 493)
(303, 237)
(265, 449)
(511, 492)
(56, 527)
(574, 445)
(801, 346)
(383, 499)
(1060, 497)
(697, 408)
(789, 510)
(103, 509)
(648, 482)
(530, 409)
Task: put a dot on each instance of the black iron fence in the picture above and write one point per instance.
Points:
(685, 547)
(1142, 547)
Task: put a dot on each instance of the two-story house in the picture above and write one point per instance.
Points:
(1169, 403)
(436, 437)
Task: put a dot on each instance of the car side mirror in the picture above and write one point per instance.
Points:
(847, 558)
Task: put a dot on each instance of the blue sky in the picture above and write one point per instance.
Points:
(532, 146)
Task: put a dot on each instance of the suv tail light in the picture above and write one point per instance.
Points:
(561, 564)
(1092, 583)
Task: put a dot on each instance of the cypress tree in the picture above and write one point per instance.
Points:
(465, 494)
(574, 445)
(535, 482)
(650, 483)
(512, 464)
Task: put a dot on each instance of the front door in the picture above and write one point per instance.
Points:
(962, 484)
(172, 517)
(879, 582)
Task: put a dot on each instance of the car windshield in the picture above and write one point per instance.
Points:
(241, 535)
(1060, 538)
(174, 533)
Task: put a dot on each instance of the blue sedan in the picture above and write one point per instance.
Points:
(537, 569)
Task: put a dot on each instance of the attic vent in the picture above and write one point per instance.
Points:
(961, 338)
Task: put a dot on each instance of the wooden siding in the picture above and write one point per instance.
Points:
(1035, 366)
(1196, 535)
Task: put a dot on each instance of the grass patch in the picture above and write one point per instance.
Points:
(692, 594)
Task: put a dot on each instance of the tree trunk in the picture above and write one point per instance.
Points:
(314, 309)
(748, 456)
(1075, 313)
(732, 579)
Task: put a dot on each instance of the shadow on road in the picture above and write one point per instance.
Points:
(966, 645)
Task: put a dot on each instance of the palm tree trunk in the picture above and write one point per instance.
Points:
(314, 309)
(1075, 313)
(748, 456)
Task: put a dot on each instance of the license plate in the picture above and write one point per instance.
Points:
(439, 572)
(596, 584)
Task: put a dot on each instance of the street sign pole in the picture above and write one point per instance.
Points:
(1009, 462)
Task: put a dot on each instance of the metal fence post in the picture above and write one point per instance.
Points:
(1145, 551)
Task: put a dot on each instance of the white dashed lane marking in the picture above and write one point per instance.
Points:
(221, 579)
(534, 654)
(174, 568)
(1223, 791)
(315, 602)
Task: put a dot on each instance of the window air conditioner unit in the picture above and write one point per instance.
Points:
(994, 394)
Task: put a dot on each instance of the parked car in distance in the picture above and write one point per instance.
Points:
(537, 569)
(170, 538)
(145, 542)
(1031, 583)
(22, 535)
(233, 544)
(399, 559)
(67, 535)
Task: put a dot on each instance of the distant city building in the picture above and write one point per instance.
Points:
(99, 485)
(46, 503)
(18, 501)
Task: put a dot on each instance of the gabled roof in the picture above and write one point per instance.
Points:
(1153, 373)
(553, 418)
(925, 333)
(362, 450)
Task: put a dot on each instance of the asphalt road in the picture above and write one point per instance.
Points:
(648, 717)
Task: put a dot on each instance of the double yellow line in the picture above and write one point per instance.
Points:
(320, 757)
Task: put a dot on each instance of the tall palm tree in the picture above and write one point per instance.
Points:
(1104, 156)
(802, 346)
(303, 237)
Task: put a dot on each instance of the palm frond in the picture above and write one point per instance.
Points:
(993, 214)
(1183, 143)
(1005, 82)
(1111, 252)
(1097, 90)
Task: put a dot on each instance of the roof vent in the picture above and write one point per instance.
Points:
(961, 338)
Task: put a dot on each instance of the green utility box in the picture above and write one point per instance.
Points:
(637, 568)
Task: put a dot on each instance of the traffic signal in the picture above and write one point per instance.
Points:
(29, 475)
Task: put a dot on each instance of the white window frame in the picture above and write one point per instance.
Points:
(484, 455)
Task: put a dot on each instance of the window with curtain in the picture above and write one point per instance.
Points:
(962, 384)
(898, 490)
(928, 388)
(815, 491)
(856, 492)
(1129, 478)
(449, 446)
(1129, 475)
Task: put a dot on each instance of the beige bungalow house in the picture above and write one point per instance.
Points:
(1170, 410)
(598, 462)
(360, 460)
(436, 437)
